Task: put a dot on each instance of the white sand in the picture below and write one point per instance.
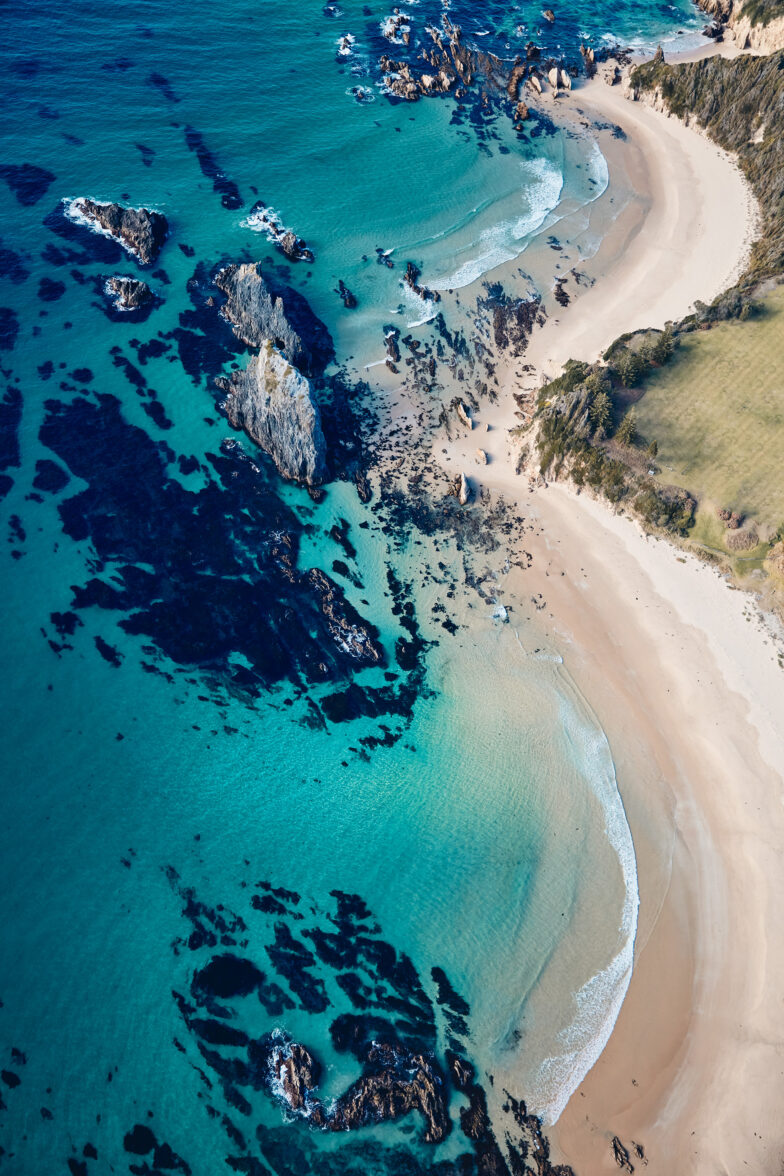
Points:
(691, 696)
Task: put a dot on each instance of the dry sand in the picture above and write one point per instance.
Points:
(683, 674)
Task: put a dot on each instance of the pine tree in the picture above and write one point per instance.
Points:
(627, 430)
(600, 411)
(653, 449)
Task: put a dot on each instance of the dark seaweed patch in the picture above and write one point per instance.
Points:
(164, 85)
(12, 265)
(50, 290)
(27, 182)
(229, 192)
(9, 328)
(91, 246)
(49, 476)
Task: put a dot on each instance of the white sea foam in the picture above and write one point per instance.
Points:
(599, 1000)
(346, 44)
(363, 95)
(507, 240)
(73, 213)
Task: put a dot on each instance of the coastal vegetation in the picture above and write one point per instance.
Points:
(718, 413)
(740, 103)
(685, 426)
(762, 12)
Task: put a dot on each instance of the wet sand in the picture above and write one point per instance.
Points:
(684, 676)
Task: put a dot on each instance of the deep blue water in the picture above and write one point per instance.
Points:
(191, 766)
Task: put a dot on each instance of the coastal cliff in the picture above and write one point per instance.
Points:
(751, 24)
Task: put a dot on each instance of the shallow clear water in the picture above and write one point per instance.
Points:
(146, 722)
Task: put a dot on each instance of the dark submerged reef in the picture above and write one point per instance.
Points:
(408, 1035)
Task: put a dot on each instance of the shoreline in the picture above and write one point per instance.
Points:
(684, 679)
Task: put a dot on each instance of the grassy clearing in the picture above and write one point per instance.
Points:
(717, 414)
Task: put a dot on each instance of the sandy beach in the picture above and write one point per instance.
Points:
(684, 675)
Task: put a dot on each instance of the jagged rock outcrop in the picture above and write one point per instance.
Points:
(140, 231)
(259, 311)
(589, 60)
(295, 1069)
(348, 299)
(464, 491)
(464, 414)
(128, 293)
(411, 278)
(449, 66)
(395, 1082)
(730, 22)
(353, 635)
(513, 319)
(263, 219)
(276, 407)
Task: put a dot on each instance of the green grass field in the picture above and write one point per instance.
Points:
(717, 413)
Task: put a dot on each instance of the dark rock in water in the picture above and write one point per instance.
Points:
(27, 182)
(351, 633)
(276, 407)
(348, 299)
(294, 247)
(128, 293)
(448, 67)
(513, 318)
(286, 240)
(391, 339)
(395, 1081)
(140, 231)
(398, 1082)
(296, 1070)
(259, 311)
(411, 278)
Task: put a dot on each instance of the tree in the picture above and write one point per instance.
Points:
(600, 411)
(663, 348)
(630, 367)
(653, 449)
(626, 434)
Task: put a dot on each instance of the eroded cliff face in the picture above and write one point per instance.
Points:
(275, 405)
(738, 27)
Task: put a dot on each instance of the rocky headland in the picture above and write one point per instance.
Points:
(140, 231)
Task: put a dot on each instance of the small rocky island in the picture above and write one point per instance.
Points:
(140, 231)
(128, 294)
(274, 404)
(259, 311)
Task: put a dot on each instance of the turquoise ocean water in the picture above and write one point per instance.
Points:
(191, 768)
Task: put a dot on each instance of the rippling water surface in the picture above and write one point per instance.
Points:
(193, 768)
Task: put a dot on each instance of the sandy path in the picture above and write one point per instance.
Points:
(691, 696)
